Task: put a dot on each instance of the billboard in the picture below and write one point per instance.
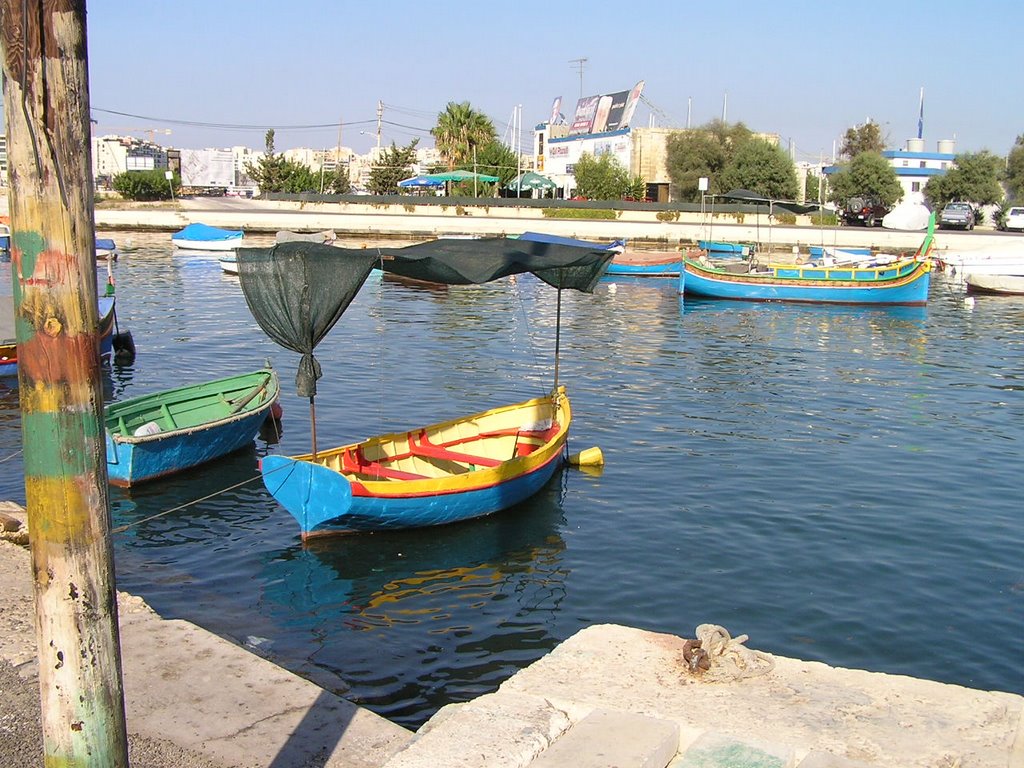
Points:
(606, 112)
(207, 168)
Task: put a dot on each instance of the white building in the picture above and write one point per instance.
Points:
(914, 167)
(112, 155)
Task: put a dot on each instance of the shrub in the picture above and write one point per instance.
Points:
(579, 213)
(145, 185)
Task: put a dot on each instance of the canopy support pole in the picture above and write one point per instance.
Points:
(558, 332)
(312, 423)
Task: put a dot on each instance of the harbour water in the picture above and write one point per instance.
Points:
(842, 484)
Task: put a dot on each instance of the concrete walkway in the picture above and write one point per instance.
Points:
(608, 697)
(206, 695)
(616, 696)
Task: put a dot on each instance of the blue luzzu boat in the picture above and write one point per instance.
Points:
(456, 470)
(903, 282)
(898, 282)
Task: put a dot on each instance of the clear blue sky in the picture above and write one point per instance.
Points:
(805, 70)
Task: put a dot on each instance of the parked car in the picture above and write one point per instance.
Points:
(863, 210)
(957, 216)
(1014, 219)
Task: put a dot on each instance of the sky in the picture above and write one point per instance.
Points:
(219, 73)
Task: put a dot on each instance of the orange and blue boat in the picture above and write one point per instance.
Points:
(454, 470)
(9, 344)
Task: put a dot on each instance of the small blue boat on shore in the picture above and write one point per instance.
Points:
(719, 249)
(158, 434)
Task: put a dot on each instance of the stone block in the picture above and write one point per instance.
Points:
(719, 750)
(608, 739)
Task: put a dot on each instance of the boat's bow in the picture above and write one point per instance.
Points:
(311, 492)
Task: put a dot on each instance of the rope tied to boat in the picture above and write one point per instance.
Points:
(716, 657)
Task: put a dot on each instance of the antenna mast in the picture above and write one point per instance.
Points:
(581, 65)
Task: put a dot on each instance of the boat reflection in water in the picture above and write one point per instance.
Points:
(404, 622)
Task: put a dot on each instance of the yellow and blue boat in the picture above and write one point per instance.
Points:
(447, 472)
(444, 473)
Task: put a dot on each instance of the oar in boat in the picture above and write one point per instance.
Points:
(246, 399)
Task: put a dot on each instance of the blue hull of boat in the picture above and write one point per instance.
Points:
(128, 463)
(843, 287)
(297, 484)
(715, 247)
(645, 270)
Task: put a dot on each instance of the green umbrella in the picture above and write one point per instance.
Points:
(530, 180)
(461, 176)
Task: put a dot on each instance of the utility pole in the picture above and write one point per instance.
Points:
(53, 271)
(380, 116)
(580, 63)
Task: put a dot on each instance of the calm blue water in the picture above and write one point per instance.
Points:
(842, 484)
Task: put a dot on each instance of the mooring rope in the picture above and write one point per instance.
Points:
(14, 455)
(715, 656)
(126, 526)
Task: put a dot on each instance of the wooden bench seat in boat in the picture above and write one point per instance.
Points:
(357, 463)
(423, 447)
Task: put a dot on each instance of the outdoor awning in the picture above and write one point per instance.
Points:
(748, 196)
(530, 181)
(460, 175)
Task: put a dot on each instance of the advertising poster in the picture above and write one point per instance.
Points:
(583, 120)
(604, 112)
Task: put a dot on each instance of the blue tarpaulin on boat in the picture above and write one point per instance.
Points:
(539, 237)
(206, 233)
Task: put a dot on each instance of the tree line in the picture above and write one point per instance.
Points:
(729, 155)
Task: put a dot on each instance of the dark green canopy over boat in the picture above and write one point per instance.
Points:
(297, 291)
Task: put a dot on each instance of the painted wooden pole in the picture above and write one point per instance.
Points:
(53, 268)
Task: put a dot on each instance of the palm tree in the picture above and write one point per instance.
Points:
(459, 129)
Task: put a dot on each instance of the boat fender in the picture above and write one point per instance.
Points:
(591, 457)
(124, 348)
(276, 411)
(149, 428)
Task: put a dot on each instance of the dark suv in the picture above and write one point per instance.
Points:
(863, 210)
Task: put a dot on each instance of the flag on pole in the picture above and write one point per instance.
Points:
(920, 118)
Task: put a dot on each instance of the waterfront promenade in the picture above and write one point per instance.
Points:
(608, 696)
(357, 222)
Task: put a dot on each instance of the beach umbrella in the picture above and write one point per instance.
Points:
(420, 181)
(530, 181)
(461, 175)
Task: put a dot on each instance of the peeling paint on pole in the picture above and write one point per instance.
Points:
(53, 272)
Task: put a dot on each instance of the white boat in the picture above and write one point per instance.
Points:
(993, 260)
(202, 237)
(229, 263)
(1012, 285)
